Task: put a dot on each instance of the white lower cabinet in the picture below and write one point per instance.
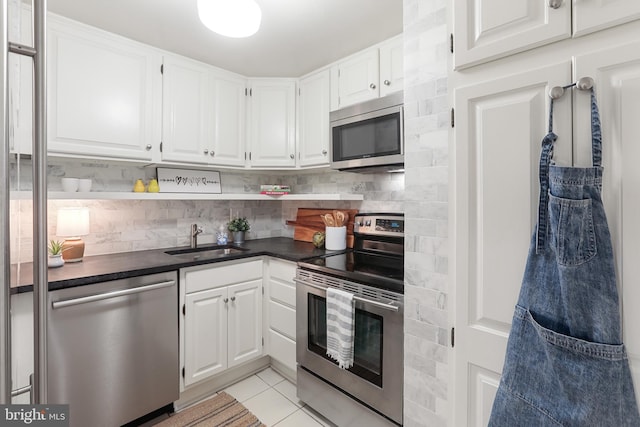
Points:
(221, 317)
(281, 313)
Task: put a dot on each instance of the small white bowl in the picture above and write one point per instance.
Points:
(70, 185)
(84, 185)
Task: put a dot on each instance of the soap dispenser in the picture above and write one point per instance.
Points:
(221, 236)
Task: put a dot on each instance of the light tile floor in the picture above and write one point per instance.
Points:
(272, 398)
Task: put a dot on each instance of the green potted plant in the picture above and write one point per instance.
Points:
(55, 253)
(238, 226)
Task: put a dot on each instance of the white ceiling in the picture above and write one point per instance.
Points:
(295, 37)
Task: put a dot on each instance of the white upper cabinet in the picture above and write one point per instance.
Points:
(374, 72)
(203, 114)
(271, 123)
(187, 109)
(104, 93)
(594, 15)
(356, 79)
(391, 66)
(229, 120)
(313, 119)
(489, 29)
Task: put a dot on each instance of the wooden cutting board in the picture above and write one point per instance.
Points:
(308, 222)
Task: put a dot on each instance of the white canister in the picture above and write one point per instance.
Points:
(335, 238)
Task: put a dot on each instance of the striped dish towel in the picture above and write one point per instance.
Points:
(340, 327)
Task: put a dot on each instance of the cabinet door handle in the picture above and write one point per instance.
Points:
(555, 4)
(292, 156)
(226, 300)
(372, 85)
(233, 298)
(212, 153)
(324, 152)
(148, 147)
(387, 83)
(206, 151)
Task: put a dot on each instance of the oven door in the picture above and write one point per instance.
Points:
(377, 375)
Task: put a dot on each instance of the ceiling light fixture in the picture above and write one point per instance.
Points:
(231, 18)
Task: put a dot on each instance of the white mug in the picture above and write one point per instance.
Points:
(335, 238)
(70, 185)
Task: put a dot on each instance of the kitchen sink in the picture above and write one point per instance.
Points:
(206, 252)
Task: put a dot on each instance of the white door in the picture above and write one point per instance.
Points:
(245, 321)
(103, 91)
(392, 66)
(187, 111)
(313, 120)
(499, 126)
(205, 340)
(617, 84)
(272, 112)
(357, 78)
(489, 29)
(230, 121)
(593, 15)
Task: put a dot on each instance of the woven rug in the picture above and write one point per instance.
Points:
(221, 410)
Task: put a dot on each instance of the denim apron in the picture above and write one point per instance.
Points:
(565, 363)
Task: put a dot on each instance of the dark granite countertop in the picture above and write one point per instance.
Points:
(101, 268)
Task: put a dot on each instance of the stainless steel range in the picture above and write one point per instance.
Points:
(370, 392)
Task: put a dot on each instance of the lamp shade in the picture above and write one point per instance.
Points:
(73, 222)
(231, 18)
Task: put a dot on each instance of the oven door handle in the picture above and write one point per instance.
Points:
(386, 306)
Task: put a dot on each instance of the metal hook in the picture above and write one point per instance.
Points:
(583, 83)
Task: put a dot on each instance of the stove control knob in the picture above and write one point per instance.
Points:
(367, 223)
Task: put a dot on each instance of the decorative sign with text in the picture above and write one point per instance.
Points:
(188, 181)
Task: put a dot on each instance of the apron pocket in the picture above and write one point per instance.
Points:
(569, 380)
(573, 233)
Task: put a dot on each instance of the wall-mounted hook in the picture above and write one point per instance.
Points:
(583, 83)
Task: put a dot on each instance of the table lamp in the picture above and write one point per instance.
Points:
(73, 223)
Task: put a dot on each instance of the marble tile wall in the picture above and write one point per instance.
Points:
(426, 368)
(131, 225)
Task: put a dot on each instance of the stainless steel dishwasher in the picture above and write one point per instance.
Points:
(113, 349)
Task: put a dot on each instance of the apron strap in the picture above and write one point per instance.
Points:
(596, 133)
(545, 160)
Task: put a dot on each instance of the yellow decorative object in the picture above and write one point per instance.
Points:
(138, 187)
(153, 186)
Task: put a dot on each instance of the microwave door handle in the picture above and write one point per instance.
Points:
(383, 305)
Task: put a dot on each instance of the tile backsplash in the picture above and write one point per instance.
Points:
(131, 225)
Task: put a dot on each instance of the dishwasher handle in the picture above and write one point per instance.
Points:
(123, 292)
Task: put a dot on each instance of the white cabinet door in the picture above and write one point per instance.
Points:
(489, 29)
(205, 340)
(356, 79)
(617, 83)
(593, 15)
(229, 120)
(313, 120)
(187, 111)
(245, 322)
(392, 66)
(103, 94)
(500, 124)
(281, 313)
(272, 123)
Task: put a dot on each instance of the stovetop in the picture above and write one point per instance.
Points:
(378, 255)
(372, 269)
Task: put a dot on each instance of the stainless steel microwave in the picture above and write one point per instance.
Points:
(369, 135)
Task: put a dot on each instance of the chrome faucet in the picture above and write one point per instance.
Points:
(195, 230)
